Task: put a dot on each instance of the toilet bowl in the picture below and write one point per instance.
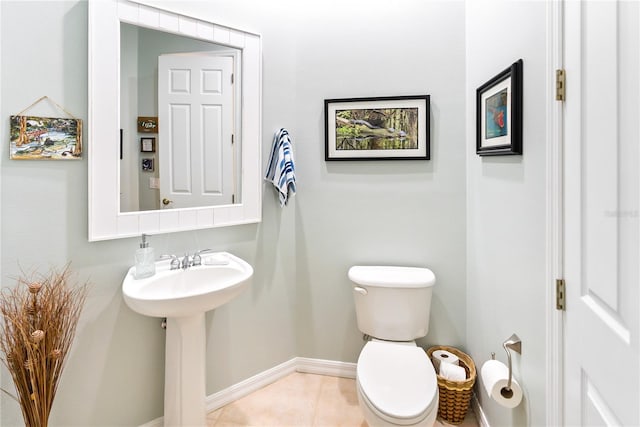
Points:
(396, 385)
(396, 382)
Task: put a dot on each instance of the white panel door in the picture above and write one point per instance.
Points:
(195, 114)
(601, 233)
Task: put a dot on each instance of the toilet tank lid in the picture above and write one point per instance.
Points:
(392, 276)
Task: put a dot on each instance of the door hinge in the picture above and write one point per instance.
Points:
(232, 139)
(560, 85)
(231, 78)
(233, 199)
(561, 298)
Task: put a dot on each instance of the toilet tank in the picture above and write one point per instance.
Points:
(392, 303)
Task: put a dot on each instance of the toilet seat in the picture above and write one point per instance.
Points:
(397, 381)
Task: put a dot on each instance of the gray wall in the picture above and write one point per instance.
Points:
(506, 207)
(396, 212)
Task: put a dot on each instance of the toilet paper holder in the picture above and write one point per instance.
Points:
(512, 343)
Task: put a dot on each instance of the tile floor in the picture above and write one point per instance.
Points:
(301, 400)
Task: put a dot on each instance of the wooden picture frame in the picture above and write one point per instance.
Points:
(147, 124)
(499, 113)
(380, 128)
(45, 138)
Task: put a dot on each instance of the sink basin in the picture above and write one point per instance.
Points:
(183, 297)
(178, 293)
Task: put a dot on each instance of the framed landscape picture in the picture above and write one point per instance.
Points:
(40, 138)
(499, 113)
(380, 128)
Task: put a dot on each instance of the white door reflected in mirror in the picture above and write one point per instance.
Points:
(190, 86)
(195, 101)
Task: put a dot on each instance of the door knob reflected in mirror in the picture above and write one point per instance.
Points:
(166, 202)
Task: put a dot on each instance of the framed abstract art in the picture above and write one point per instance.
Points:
(499, 113)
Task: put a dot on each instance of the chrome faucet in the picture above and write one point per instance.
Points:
(185, 262)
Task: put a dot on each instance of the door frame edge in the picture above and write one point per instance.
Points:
(554, 230)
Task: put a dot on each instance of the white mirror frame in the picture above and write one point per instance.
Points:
(105, 219)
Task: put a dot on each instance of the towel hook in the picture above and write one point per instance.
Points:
(512, 343)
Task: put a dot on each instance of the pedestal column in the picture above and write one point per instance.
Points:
(184, 388)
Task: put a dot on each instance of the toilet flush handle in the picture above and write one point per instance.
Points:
(360, 290)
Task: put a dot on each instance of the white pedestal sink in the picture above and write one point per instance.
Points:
(183, 297)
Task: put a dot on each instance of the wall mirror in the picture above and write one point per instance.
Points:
(204, 160)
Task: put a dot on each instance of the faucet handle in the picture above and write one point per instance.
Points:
(197, 259)
(175, 262)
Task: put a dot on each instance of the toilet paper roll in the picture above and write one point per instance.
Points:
(452, 372)
(495, 376)
(445, 356)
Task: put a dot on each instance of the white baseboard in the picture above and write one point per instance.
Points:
(158, 422)
(248, 386)
(477, 409)
(243, 388)
(325, 367)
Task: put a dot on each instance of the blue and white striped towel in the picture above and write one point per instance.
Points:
(281, 171)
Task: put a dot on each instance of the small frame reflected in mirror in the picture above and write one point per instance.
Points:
(147, 165)
(148, 124)
(147, 145)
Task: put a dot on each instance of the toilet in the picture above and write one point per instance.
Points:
(396, 382)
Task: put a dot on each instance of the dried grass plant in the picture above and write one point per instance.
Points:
(39, 322)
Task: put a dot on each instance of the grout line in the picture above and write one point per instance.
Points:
(317, 402)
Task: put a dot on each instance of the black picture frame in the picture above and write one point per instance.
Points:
(361, 128)
(147, 165)
(499, 113)
(147, 144)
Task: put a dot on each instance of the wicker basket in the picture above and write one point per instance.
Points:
(455, 395)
